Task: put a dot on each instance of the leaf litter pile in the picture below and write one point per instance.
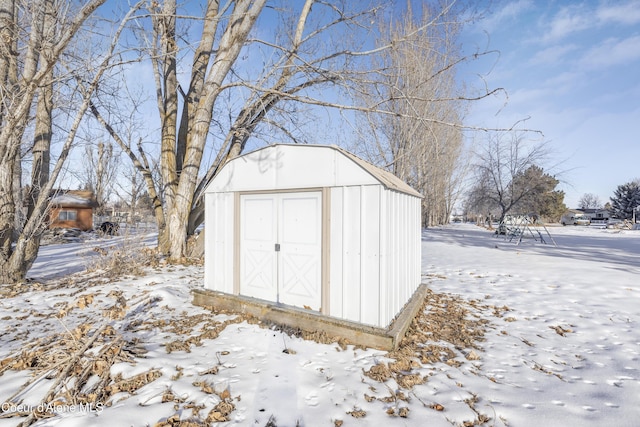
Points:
(447, 330)
(90, 348)
(70, 350)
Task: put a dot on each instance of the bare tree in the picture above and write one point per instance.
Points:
(100, 170)
(36, 35)
(589, 201)
(500, 169)
(423, 142)
(132, 191)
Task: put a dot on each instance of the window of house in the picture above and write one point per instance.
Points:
(67, 215)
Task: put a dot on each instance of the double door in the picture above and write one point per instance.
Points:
(281, 247)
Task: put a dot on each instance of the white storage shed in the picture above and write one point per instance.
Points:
(315, 227)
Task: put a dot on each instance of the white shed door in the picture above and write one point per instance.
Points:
(281, 246)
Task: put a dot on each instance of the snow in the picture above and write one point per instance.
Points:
(588, 284)
(70, 200)
(560, 346)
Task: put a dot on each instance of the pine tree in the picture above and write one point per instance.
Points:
(626, 199)
(541, 198)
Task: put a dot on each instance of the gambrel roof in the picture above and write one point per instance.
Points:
(281, 166)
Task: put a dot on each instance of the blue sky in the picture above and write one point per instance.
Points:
(573, 68)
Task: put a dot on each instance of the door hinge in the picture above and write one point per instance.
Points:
(277, 247)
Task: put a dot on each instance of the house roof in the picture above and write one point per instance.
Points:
(594, 210)
(73, 199)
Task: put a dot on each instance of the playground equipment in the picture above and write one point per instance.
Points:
(515, 227)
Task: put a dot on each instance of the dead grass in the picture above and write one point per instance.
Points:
(448, 329)
(128, 258)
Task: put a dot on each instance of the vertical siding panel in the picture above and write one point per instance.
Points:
(400, 251)
(404, 251)
(226, 214)
(209, 242)
(390, 224)
(351, 262)
(417, 247)
(411, 253)
(370, 259)
(336, 256)
(408, 286)
(385, 238)
(411, 232)
(400, 259)
(384, 256)
(217, 277)
(393, 256)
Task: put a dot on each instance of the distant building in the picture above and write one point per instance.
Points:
(597, 214)
(575, 217)
(585, 216)
(72, 209)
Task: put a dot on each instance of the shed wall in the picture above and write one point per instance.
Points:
(401, 252)
(374, 254)
(355, 253)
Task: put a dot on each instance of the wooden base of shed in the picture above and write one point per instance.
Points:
(356, 333)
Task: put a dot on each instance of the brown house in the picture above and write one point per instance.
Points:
(72, 209)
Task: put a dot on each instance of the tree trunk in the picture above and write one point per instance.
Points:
(8, 80)
(178, 231)
(179, 200)
(40, 172)
(169, 115)
(7, 210)
(8, 52)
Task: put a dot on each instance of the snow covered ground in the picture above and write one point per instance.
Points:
(558, 346)
(567, 353)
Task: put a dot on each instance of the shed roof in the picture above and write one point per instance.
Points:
(386, 178)
(271, 159)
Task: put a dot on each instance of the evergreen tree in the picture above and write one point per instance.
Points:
(552, 206)
(541, 198)
(626, 199)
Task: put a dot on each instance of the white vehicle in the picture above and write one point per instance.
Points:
(575, 219)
